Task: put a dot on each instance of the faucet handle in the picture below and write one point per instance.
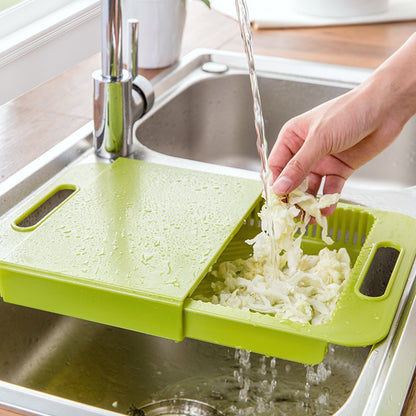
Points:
(133, 45)
(143, 94)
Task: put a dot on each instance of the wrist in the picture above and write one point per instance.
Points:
(394, 83)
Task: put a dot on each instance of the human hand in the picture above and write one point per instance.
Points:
(334, 139)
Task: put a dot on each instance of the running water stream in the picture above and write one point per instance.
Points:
(314, 376)
(265, 174)
(243, 17)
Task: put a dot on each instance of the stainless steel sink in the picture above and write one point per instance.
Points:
(202, 118)
(210, 118)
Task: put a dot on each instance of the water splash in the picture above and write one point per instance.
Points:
(250, 384)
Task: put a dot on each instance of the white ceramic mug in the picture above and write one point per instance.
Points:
(161, 24)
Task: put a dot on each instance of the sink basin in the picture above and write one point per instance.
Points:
(202, 118)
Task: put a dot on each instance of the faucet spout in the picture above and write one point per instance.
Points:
(120, 96)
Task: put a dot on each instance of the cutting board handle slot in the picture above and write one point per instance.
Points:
(380, 271)
(38, 212)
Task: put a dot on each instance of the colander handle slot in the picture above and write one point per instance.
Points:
(380, 271)
(364, 318)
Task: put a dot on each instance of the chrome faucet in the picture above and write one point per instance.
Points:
(120, 96)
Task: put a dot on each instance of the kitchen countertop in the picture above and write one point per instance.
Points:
(34, 122)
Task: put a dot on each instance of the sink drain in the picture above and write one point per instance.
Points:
(178, 407)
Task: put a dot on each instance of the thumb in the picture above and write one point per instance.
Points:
(296, 170)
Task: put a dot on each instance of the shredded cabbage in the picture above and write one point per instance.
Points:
(295, 286)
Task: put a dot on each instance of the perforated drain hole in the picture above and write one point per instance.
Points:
(38, 214)
(379, 272)
(175, 407)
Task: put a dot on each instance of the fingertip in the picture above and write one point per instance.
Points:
(329, 210)
(314, 183)
(283, 185)
(333, 184)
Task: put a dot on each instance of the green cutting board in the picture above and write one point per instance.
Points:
(131, 245)
(127, 247)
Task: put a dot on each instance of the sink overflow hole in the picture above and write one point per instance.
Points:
(379, 272)
(45, 208)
